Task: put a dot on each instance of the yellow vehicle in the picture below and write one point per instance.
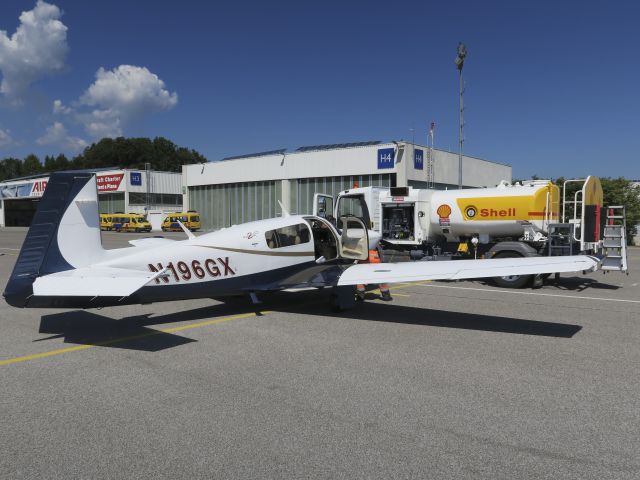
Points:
(124, 222)
(106, 221)
(190, 219)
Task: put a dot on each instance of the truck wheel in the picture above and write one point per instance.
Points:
(511, 281)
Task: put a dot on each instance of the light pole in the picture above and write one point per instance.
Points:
(459, 61)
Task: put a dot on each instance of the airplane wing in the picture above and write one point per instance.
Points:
(93, 282)
(368, 273)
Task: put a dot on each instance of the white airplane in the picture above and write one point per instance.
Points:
(62, 262)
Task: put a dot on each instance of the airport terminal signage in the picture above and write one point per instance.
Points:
(418, 159)
(24, 190)
(37, 190)
(386, 158)
(136, 179)
(109, 183)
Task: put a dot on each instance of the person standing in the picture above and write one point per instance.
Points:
(361, 290)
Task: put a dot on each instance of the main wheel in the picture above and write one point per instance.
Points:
(511, 281)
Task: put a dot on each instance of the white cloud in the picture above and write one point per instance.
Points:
(56, 134)
(129, 89)
(60, 108)
(121, 95)
(36, 49)
(102, 123)
(5, 138)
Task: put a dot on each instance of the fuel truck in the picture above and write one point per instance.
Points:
(524, 219)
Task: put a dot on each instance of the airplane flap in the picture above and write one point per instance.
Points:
(93, 282)
(374, 273)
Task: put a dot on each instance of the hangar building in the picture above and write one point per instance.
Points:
(118, 191)
(249, 187)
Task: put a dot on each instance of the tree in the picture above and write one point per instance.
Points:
(49, 163)
(620, 191)
(161, 153)
(10, 168)
(61, 163)
(31, 165)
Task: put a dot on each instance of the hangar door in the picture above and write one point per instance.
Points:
(18, 212)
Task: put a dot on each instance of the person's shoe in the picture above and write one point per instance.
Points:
(386, 296)
(360, 294)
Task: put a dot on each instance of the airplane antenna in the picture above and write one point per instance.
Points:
(285, 212)
(186, 230)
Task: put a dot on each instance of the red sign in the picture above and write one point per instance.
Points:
(109, 183)
(38, 188)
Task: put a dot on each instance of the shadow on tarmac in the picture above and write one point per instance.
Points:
(569, 284)
(88, 328)
(377, 311)
(579, 284)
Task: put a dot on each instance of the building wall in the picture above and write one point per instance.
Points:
(118, 191)
(230, 204)
(475, 172)
(214, 188)
(303, 190)
(345, 162)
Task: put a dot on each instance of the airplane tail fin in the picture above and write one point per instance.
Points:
(64, 234)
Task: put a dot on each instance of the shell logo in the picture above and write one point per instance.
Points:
(444, 211)
(471, 211)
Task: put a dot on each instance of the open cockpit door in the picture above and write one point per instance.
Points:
(322, 205)
(354, 239)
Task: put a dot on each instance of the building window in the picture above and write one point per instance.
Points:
(167, 199)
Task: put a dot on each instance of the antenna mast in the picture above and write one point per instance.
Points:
(430, 159)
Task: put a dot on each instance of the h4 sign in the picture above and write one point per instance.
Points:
(386, 157)
(418, 159)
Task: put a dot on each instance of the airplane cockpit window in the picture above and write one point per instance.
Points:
(288, 236)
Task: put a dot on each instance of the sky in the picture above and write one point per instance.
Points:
(552, 88)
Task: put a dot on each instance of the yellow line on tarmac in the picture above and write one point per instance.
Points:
(77, 348)
(45, 354)
(217, 321)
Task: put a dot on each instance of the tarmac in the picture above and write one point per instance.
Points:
(450, 380)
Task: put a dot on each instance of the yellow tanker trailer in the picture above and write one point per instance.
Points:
(487, 213)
